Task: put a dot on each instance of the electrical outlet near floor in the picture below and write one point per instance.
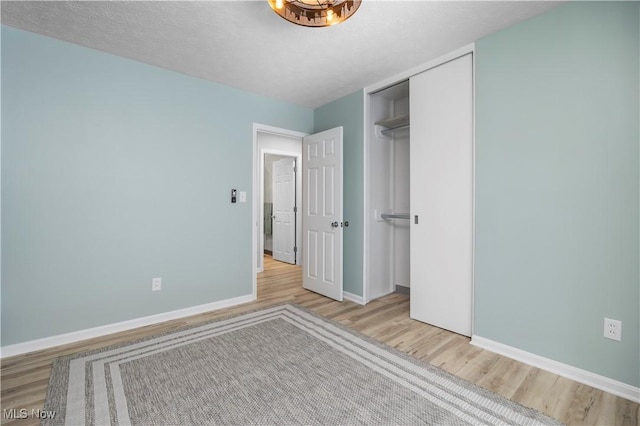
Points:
(156, 284)
(613, 329)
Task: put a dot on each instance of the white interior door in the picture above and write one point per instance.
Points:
(284, 216)
(322, 225)
(441, 169)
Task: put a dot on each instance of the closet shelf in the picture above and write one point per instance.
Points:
(393, 124)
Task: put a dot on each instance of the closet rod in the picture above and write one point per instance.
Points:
(395, 216)
(393, 129)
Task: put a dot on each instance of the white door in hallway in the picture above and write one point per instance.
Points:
(322, 225)
(284, 216)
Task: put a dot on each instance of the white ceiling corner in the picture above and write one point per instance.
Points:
(243, 44)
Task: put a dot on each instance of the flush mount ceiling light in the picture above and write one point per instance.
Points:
(315, 13)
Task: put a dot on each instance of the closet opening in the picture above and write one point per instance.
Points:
(419, 180)
(388, 190)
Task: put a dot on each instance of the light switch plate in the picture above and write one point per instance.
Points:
(243, 196)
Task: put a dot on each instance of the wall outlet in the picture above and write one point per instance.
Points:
(156, 284)
(613, 329)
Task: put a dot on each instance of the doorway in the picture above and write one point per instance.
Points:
(269, 140)
(323, 211)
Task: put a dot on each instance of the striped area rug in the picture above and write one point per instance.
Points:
(281, 365)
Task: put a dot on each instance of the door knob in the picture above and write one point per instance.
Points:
(335, 224)
(346, 223)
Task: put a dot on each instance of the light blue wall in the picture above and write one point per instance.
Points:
(348, 112)
(557, 186)
(115, 172)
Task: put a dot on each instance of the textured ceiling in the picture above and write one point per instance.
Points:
(244, 44)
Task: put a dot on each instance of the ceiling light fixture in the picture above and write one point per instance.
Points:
(315, 13)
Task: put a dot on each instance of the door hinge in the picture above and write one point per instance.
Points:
(295, 209)
(295, 249)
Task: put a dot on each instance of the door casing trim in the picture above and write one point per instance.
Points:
(256, 191)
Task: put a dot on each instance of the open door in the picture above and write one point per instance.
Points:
(322, 225)
(284, 216)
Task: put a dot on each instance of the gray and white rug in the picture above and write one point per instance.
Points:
(282, 365)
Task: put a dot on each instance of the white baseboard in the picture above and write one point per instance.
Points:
(89, 333)
(354, 298)
(597, 381)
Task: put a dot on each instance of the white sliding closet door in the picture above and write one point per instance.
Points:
(441, 169)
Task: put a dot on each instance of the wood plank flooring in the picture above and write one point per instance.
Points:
(25, 377)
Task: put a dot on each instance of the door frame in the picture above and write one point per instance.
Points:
(257, 212)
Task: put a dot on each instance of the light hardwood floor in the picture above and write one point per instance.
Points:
(25, 377)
